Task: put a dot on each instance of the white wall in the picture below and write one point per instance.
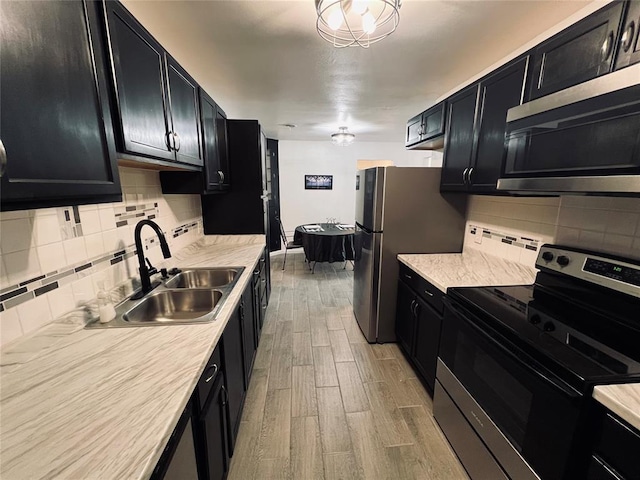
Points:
(297, 158)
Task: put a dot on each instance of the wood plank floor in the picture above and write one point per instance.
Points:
(323, 404)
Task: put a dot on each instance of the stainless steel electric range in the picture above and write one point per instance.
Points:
(517, 364)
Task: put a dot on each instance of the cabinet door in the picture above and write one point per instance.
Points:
(413, 133)
(433, 123)
(233, 361)
(248, 332)
(55, 119)
(185, 115)
(498, 93)
(212, 175)
(428, 324)
(577, 54)
(629, 44)
(140, 85)
(459, 139)
(405, 321)
(214, 426)
(223, 148)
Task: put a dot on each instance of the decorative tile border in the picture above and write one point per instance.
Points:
(69, 220)
(509, 239)
(132, 214)
(17, 294)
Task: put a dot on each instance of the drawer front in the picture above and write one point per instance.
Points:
(618, 446)
(208, 377)
(422, 287)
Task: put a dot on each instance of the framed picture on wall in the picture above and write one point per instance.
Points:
(318, 182)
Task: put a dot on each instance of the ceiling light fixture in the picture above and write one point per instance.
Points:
(343, 137)
(356, 23)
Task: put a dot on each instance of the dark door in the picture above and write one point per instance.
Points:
(498, 93)
(405, 320)
(233, 361)
(577, 54)
(428, 324)
(55, 120)
(274, 200)
(214, 426)
(459, 141)
(629, 44)
(140, 86)
(248, 332)
(208, 110)
(183, 100)
(413, 132)
(223, 149)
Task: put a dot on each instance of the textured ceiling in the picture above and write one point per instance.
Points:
(264, 59)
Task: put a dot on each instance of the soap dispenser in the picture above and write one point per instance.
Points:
(105, 307)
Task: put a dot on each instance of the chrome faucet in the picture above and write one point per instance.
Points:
(146, 272)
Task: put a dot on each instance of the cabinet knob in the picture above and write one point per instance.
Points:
(607, 45)
(3, 159)
(627, 36)
(176, 146)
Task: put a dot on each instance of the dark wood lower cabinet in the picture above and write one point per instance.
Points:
(178, 460)
(249, 334)
(213, 434)
(418, 323)
(234, 373)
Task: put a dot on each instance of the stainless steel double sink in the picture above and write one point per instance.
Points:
(193, 296)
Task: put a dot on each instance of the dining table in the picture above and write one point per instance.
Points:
(326, 242)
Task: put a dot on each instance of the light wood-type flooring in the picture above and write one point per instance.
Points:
(325, 404)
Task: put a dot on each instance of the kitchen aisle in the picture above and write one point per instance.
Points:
(325, 404)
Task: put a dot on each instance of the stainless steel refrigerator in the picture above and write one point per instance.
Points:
(398, 210)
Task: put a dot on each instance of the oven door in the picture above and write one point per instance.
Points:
(536, 412)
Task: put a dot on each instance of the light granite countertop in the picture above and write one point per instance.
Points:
(623, 400)
(91, 404)
(470, 268)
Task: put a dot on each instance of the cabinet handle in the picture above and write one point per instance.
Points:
(464, 175)
(176, 137)
(606, 48)
(170, 140)
(627, 36)
(469, 175)
(415, 309)
(3, 159)
(407, 276)
(221, 175)
(413, 304)
(428, 293)
(215, 372)
(225, 400)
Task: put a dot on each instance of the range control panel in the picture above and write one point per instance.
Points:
(623, 276)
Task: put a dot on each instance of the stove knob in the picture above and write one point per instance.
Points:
(547, 256)
(535, 319)
(563, 260)
(549, 327)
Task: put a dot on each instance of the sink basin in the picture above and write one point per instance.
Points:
(175, 307)
(203, 278)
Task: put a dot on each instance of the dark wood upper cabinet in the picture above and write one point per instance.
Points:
(629, 44)
(55, 120)
(425, 131)
(157, 101)
(214, 177)
(475, 145)
(579, 53)
(459, 139)
(138, 64)
(185, 115)
(498, 93)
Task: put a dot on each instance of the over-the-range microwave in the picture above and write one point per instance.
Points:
(585, 139)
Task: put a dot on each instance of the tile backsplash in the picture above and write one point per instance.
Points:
(606, 224)
(51, 260)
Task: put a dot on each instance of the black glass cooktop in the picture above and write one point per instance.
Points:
(588, 337)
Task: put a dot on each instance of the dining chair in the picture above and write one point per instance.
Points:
(287, 244)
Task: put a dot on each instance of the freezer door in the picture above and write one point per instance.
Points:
(369, 198)
(366, 281)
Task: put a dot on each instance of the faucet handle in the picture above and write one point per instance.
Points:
(152, 269)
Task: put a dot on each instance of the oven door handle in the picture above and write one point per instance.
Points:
(521, 358)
